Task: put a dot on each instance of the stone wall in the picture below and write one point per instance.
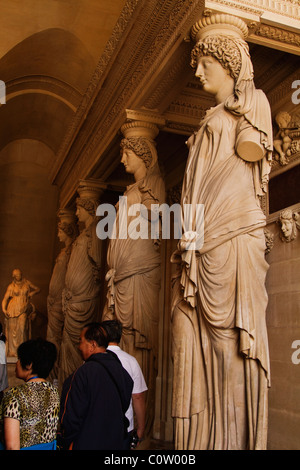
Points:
(28, 207)
(283, 320)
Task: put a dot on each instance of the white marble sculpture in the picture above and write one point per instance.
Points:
(82, 280)
(67, 233)
(19, 311)
(220, 346)
(134, 274)
(282, 140)
(289, 222)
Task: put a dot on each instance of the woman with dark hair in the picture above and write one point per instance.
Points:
(3, 370)
(30, 411)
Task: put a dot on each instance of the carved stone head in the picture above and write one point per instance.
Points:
(288, 224)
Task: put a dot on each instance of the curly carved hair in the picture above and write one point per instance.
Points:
(70, 229)
(221, 48)
(140, 146)
(90, 205)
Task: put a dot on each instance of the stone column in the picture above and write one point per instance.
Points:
(67, 233)
(134, 263)
(219, 335)
(81, 294)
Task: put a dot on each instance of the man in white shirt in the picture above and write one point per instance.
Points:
(138, 403)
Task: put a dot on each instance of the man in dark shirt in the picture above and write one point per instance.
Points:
(95, 397)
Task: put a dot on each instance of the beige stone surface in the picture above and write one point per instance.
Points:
(67, 233)
(81, 292)
(283, 322)
(220, 345)
(74, 73)
(134, 265)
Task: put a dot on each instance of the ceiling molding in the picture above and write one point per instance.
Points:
(145, 66)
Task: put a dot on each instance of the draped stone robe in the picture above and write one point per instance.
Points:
(220, 345)
(54, 303)
(80, 296)
(134, 278)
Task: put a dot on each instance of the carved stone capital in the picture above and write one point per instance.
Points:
(219, 24)
(139, 129)
(142, 123)
(271, 23)
(66, 216)
(91, 189)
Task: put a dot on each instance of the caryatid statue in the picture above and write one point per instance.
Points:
(134, 260)
(82, 281)
(220, 345)
(67, 232)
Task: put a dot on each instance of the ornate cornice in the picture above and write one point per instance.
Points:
(94, 85)
(271, 23)
(285, 8)
(160, 24)
(143, 63)
(285, 40)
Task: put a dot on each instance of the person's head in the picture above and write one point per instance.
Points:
(17, 275)
(35, 356)
(113, 329)
(136, 151)
(288, 225)
(217, 61)
(85, 208)
(67, 231)
(282, 119)
(223, 49)
(2, 335)
(93, 339)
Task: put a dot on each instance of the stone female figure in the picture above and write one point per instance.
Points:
(220, 346)
(82, 286)
(135, 263)
(18, 310)
(67, 233)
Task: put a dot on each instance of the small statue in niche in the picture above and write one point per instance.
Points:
(282, 140)
(19, 311)
(289, 222)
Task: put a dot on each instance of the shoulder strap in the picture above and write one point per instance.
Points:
(126, 421)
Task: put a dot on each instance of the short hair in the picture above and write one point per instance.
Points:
(2, 335)
(90, 205)
(113, 329)
(70, 229)
(95, 332)
(40, 354)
